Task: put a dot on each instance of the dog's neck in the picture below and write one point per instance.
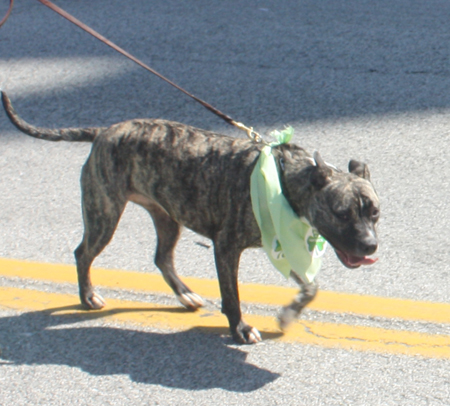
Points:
(295, 167)
(297, 189)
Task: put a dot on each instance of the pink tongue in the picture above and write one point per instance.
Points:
(356, 261)
(353, 261)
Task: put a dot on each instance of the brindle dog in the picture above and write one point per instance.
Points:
(184, 176)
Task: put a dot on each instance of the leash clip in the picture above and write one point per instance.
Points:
(251, 133)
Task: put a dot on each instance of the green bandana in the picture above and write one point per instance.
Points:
(290, 242)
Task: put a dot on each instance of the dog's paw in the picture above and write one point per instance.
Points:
(246, 334)
(190, 300)
(286, 317)
(94, 301)
(254, 336)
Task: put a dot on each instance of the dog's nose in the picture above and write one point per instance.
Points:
(368, 246)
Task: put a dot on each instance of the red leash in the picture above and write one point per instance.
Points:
(11, 2)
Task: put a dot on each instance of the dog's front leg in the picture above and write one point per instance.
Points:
(305, 296)
(227, 257)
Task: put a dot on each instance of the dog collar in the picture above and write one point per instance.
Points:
(290, 242)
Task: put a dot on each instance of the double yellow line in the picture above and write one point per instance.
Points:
(355, 337)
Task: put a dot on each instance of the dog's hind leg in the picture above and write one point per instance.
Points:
(305, 296)
(168, 232)
(101, 215)
(227, 257)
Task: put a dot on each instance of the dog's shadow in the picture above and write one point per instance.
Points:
(195, 359)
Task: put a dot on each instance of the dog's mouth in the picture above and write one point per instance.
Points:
(353, 261)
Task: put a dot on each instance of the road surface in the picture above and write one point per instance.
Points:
(356, 79)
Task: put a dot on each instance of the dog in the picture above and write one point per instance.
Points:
(188, 177)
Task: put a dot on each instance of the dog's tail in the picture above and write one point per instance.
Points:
(63, 134)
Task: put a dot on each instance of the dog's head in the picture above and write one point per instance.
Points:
(345, 209)
(343, 206)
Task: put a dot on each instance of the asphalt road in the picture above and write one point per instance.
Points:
(356, 79)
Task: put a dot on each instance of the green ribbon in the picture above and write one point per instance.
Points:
(289, 241)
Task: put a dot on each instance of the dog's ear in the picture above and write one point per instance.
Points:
(359, 169)
(321, 172)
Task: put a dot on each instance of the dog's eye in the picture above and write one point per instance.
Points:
(375, 214)
(343, 215)
(282, 164)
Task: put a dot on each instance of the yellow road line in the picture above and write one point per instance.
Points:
(252, 293)
(328, 335)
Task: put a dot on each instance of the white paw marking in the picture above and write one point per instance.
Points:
(190, 300)
(254, 336)
(96, 301)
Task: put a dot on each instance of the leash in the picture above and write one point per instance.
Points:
(3, 21)
(252, 134)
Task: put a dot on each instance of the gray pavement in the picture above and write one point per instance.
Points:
(356, 79)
